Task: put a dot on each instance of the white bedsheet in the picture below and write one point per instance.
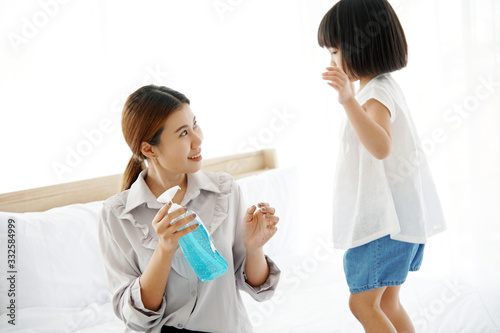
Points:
(312, 297)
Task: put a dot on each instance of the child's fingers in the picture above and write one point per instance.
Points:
(335, 86)
(331, 76)
(333, 79)
(335, 69)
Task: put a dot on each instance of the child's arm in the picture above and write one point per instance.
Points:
(372, 124)
(372, 121)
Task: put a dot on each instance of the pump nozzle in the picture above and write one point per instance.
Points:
(168, 195)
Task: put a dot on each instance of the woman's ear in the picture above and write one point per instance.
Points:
(148, 150)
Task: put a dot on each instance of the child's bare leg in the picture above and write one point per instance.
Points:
(365, 306)
(392, 307)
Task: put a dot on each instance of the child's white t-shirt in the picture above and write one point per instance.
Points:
(374, 198)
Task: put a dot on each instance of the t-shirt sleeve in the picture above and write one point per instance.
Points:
(384, 95)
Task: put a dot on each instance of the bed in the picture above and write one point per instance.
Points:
(59, 281)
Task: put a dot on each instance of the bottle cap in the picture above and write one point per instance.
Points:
(168, 195)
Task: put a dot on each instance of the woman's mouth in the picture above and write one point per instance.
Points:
(195, 158)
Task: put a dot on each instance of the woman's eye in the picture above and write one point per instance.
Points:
(184, 133)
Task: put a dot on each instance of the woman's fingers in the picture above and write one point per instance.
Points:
(268, 213)
(182, 222)
(166, 230)
(249, 214)
(176, 213)
(181, 233)
(267, 210)
(165, 222)
(271, 220)
(162, 212)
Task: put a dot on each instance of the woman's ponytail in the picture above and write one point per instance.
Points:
(132, 171)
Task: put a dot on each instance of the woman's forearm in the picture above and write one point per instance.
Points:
(154, 279)
(373, 136)
(256, 268)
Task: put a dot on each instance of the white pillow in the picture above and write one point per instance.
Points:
(278, 187)
(58, 261)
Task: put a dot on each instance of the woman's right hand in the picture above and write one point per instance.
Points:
(169, 234)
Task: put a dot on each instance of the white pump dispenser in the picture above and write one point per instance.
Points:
(168, 195)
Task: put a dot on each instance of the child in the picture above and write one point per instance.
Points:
(385, 201)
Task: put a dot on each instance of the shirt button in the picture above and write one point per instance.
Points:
(180, 326)
(193, 293)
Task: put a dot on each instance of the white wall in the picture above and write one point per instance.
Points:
(252, 70)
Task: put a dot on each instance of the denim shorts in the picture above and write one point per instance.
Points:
(381, 263)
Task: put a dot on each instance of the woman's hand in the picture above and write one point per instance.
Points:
(258, 228)
(340, 82)
(169, 234)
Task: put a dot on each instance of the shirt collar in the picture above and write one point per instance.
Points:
(140, 193)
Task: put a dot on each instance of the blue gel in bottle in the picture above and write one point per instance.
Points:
(197, 246)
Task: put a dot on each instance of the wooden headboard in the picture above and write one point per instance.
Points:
(43, 198)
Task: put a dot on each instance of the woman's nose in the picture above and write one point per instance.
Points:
(197, 139)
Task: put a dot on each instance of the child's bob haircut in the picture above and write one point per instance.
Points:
(368, 34)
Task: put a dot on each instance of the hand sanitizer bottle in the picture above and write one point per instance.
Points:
(197, 246)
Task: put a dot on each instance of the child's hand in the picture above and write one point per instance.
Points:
(258, 228)
(340, 82)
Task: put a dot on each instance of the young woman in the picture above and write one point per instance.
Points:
(152, 285)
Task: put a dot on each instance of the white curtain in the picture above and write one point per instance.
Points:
(252, 70)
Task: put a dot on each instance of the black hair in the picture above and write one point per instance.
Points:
(368, 34)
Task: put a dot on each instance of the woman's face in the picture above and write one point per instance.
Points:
(180, 141)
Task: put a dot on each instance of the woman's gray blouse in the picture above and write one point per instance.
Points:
(127, 241)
